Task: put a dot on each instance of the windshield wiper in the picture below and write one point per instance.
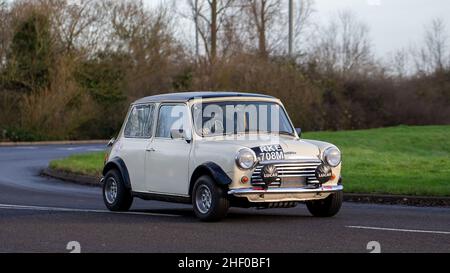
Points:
(286, 133)
(279, 133)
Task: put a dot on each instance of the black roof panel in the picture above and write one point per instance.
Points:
(187, 96)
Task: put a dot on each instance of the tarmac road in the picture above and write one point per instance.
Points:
(38, 214)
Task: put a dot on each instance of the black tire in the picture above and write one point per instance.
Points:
(123, 199)
(219, 203)
(327, 207)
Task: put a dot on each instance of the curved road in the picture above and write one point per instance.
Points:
(38, 214)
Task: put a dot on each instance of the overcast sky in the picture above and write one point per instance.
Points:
(394, 24)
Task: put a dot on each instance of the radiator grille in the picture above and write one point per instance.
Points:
(289, 173)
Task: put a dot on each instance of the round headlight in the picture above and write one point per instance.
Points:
(332, 156)
(246, 159)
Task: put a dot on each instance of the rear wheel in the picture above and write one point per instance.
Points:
(115, 194)
(209, 200)
(327, 207)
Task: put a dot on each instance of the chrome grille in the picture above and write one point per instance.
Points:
(300, 172)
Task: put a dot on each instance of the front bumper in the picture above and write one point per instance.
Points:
(323, 189)
(285, 194)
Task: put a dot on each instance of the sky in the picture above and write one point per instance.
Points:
(394, 24)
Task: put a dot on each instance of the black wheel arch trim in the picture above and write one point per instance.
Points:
(119, 164)
(216, 172)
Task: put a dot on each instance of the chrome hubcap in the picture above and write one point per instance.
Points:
(111, 190)
(203, 199)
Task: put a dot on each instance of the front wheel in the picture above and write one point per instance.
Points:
(327, 207)
(115, 194)
(209, 200)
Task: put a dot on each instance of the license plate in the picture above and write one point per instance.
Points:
(269, 153)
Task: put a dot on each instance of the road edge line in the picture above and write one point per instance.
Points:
(400, 230)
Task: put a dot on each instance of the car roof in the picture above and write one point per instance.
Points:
(187, 96)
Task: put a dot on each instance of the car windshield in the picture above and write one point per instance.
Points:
(227, 118)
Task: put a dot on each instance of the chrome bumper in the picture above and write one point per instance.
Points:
(323, 189)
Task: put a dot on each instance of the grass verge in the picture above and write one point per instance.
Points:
(84, 164)
(399, 160)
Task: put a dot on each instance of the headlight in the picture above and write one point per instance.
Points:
(332, 156)
(245, 159)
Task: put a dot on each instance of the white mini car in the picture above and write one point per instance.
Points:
(219, 149)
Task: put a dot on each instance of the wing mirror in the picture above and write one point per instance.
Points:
(299, 131)
(180, 134)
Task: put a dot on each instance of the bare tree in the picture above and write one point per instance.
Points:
(77, 23)
(303, 15)
(210, 17)
(435, 54)
(140, 32)
(344, 45)
(261, 14)
(400, 63)
(267, 21)
(145, 37)
(5, 32)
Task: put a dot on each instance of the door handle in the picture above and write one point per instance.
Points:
(151, 150)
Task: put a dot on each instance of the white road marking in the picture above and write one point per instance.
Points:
(401, 230)
(71, 149)
(96, 150)
(37, 208)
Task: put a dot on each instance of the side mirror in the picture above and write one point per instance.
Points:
(180, 134)
(299, 131)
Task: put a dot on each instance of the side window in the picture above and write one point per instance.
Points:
(140, 122)
(172, 117)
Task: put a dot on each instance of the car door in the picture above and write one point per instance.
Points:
(136, 138)
(167, 158)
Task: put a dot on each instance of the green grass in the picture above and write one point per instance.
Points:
(86, 164)
(398, 160)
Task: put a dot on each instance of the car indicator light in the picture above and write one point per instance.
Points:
(244, 180)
